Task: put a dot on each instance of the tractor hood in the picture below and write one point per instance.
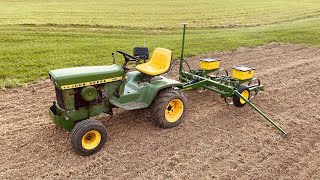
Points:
(69, 78)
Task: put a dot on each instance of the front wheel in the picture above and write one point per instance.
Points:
(168, 108)
(88, 137)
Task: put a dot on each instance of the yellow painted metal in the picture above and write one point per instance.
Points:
(243, 72)
(101, 81)
(246, 95)
(158, 64)
(209, 64)
(174, 110)
(91, 140)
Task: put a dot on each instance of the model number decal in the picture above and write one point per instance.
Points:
(72, 86)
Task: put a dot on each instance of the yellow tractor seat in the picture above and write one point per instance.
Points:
(158, 64)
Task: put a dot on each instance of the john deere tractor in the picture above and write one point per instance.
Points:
(84, 92)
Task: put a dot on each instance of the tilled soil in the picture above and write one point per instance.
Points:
(216, 140)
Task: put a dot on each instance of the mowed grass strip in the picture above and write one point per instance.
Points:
(156, 13)
(38, 36)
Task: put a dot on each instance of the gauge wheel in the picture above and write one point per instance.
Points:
(88, 137)
(168, 108)
(245, 92)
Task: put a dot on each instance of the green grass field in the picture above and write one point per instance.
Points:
(37, 36)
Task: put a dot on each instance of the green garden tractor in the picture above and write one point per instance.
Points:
(83, 92)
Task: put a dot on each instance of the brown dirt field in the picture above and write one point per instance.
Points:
(214, 141)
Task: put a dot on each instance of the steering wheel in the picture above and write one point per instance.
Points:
(127, 56)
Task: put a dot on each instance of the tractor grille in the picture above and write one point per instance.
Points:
(59, 97)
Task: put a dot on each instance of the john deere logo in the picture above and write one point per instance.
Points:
(102, 81)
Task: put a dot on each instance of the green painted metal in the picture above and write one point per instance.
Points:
(218, 86)
(260, 112)
(111, 88)
(61, 122)
(68, 98)
(140, 94)
(182, 49)
(134, 92)
(67, 118)
(225, 85)
(97, 109)
(89, 93)
(59, 119)
(77, 75)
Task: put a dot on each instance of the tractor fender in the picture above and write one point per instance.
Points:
(140, 94)
(160, 84)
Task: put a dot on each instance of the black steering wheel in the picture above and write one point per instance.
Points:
(128, 57)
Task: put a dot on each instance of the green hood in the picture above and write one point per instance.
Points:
(76, 75)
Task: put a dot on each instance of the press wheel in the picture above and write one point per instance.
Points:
(245, 92)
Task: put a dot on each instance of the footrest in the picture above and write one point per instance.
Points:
(131, 105)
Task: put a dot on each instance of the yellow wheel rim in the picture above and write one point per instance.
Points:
(245, 94)
(174, 110)
(91, 139)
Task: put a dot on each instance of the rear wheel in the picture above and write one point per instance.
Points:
(168, 108)
(88, 137)
(245, 92)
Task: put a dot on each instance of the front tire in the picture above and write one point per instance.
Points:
(88, 137)
(168, 108)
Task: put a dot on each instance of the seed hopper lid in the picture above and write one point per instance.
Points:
(209, 59)
(243, 68)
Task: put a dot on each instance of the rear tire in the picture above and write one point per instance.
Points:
(244, 91)
(168, 108)
(88, 137)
